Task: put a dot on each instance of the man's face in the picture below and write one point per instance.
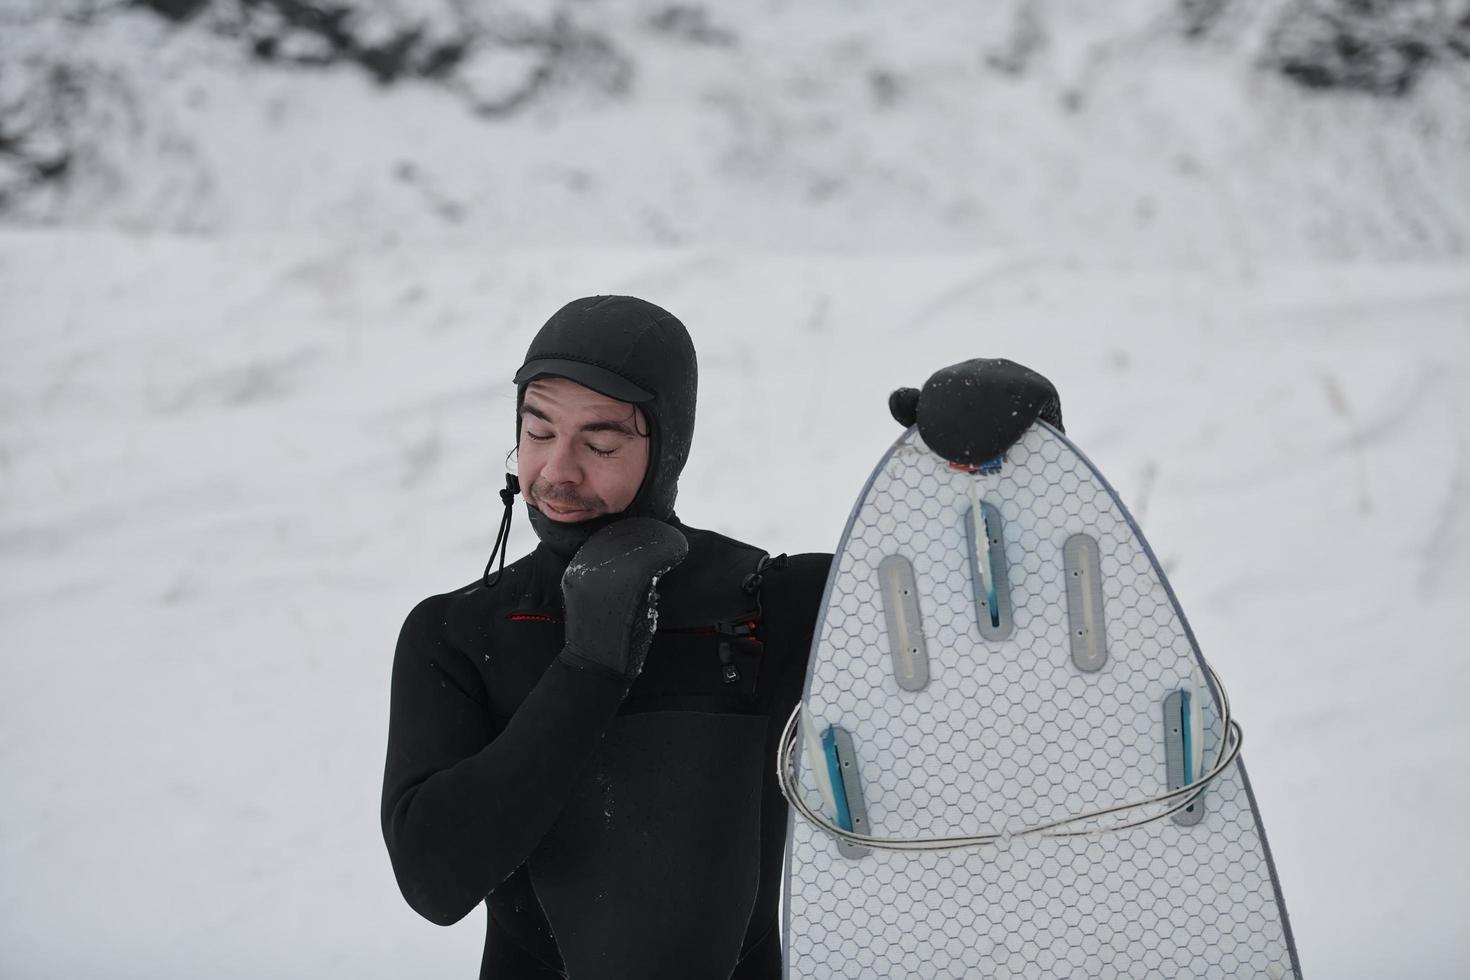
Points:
(582, 454)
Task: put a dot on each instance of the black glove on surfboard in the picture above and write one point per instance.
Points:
(972, 412)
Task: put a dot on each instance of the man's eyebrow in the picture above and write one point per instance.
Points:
(619, 427)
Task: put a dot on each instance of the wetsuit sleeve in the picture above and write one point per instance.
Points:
(464, 804)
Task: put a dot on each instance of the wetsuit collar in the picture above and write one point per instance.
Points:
(563, 538)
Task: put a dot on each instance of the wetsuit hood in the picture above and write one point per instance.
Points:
(631, 350)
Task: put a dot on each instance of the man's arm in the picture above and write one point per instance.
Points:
(463, 805)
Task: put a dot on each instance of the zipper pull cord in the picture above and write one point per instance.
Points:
(729, 673)
(737, 633)
(751, 586)
(502, 536)
(752, 582)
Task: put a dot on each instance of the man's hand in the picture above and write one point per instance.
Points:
(608, 589)
(972, 412)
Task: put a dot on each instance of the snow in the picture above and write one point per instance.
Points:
(820, 125)
(231, 466)
(255, 381)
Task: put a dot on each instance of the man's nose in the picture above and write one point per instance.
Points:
(562, 466)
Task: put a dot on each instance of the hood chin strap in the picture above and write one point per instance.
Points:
(560, 538)
(563, 538)
(502, 537)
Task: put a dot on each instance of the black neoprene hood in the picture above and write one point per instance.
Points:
(629, 349)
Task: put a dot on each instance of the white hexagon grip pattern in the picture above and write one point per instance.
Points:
(1044, 722)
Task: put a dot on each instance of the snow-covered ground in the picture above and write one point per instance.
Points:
(230, 466)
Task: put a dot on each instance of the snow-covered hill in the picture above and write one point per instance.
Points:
(1169, 130)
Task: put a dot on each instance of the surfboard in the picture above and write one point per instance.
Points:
(1032, 767)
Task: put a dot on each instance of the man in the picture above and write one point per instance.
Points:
(585, 739)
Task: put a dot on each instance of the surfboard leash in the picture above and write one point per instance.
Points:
(1185, 796)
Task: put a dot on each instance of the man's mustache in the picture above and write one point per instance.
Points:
(564, 502)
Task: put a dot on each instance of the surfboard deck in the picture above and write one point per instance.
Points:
(980, 676)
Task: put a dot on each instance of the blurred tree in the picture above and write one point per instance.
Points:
(175, 10)
(1382, 47)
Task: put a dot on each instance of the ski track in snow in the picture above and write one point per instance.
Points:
(229, 467)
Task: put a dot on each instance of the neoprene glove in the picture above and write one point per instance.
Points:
(609, 589)
(972, 412)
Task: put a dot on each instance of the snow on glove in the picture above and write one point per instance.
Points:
(972, 412)
(609, 592)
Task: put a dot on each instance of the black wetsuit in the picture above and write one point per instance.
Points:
(609, 837)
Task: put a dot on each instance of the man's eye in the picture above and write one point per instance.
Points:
(535, 437)
(601, 452)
